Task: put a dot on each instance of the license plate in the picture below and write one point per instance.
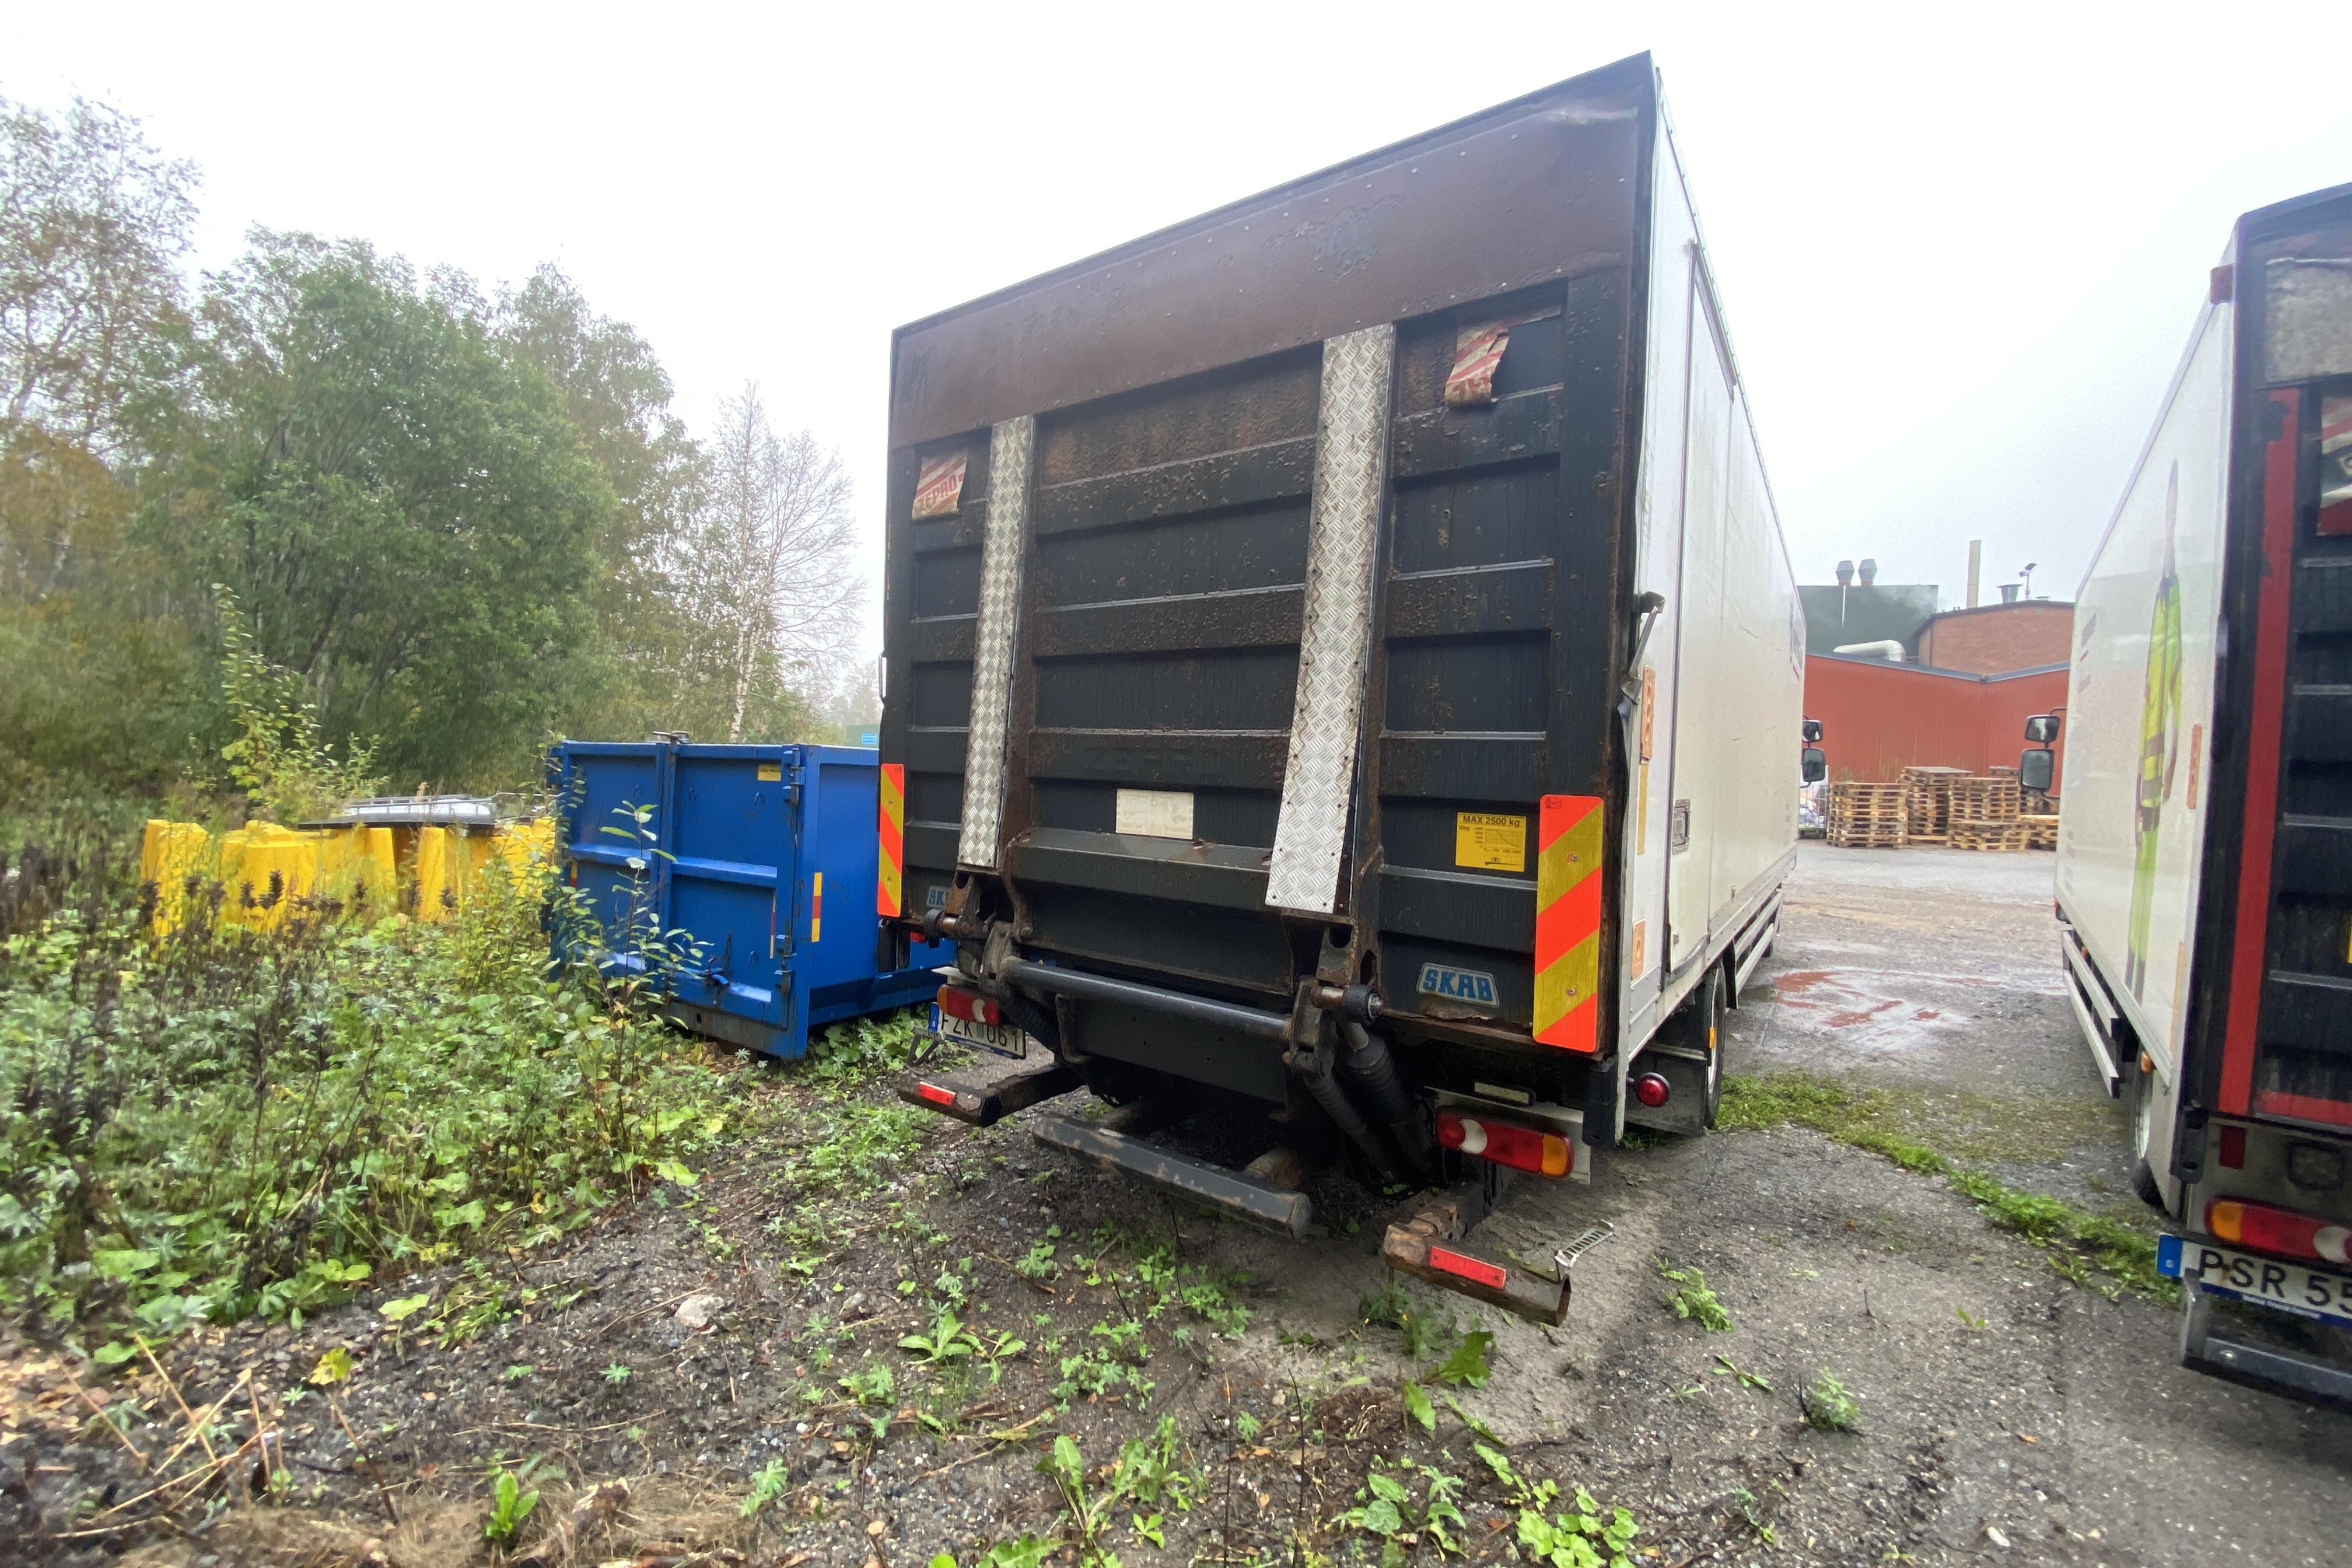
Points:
(1004, 1039)
(2265, 1282)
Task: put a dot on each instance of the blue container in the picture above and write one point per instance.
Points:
(765, 855)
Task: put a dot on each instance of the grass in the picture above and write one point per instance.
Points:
(1878, 1122)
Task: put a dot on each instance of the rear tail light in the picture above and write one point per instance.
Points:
(1652, 1089)
(1506, 1143)
(2268, 1229)
(969, 1006)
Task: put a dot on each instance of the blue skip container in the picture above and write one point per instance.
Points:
(766, 857)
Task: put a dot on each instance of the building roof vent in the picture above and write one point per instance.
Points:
(2010, 591)
(1845, 573)
(1869, 571)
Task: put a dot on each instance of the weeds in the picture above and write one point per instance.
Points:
(768, 1484)
(1693, 1301)
(2076, 1239)
(1726, 1367)
(1578, 1539)
(1829, 1404)
(224, 1122)
(1386, 1510)
(509, 1506)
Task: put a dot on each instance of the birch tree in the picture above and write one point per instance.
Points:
(774, 569)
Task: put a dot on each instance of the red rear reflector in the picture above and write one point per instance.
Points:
(969, 1006)
(2233, 1148)
(1506, 1143)
(935, 1094)
(1652, 1089)
(1478, 1268)
(2268, 1229)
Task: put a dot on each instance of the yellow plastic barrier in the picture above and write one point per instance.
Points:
(169, 855)
(266, 871)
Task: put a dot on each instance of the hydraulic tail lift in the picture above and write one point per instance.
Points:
(1429, 1244)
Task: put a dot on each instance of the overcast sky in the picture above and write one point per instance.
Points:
(1960, 257)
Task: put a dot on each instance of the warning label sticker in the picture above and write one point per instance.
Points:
(1490, 841)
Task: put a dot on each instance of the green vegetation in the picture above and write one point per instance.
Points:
(1149, 1472)
(1829, 1404)
(1578, 1539)
(223, 1122)
(2077, 1240)
(1387, 1509)
(456, 520)
(1693, 1301)
(509, 1506)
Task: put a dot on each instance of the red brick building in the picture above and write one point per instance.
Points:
(1878, 719)
(1994, 639)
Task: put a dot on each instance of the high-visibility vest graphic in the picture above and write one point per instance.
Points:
(2159, 744)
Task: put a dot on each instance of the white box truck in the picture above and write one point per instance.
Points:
(1342, 673)
(2204, 872)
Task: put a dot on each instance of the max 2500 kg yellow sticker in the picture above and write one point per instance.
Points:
(1490, 841)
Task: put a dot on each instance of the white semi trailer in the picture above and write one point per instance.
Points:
(2205, 840)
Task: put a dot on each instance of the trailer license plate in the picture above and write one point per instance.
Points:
(2265, 1282)
(1004, 1039)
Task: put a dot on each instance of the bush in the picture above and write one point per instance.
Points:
(223, 1122)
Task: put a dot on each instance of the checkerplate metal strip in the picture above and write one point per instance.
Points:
(1011, 447)
(1310, 839)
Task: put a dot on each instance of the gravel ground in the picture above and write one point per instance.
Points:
(2005, 1415)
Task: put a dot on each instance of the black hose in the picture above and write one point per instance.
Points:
(1336, 1105)
(1370, 1068)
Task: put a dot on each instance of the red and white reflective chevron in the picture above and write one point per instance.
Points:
(1477, 354)
(938, 487)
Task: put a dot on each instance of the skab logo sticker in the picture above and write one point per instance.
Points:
(1472, 986)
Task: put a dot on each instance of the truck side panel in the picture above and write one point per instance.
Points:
(2139, 707)
(1730, 692)
(1671, 296)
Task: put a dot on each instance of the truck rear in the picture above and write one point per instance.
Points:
(2205, 840)
(1341, 672)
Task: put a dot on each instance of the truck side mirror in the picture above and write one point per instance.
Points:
(2041, 729)
(1817, 763)
(1812, 731)
(2037, 767)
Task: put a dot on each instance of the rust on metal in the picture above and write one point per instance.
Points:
(1427, 1246)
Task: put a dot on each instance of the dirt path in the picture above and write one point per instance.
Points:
(2006, 1415)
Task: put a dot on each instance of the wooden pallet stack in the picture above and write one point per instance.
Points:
(1867, 816)
(2040, 829)
(1985, 812)
(1927, 796)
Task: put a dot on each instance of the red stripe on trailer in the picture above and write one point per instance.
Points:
(935, 1094)
(2261, 799)
(2303, 1108)
(1478, 1268)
